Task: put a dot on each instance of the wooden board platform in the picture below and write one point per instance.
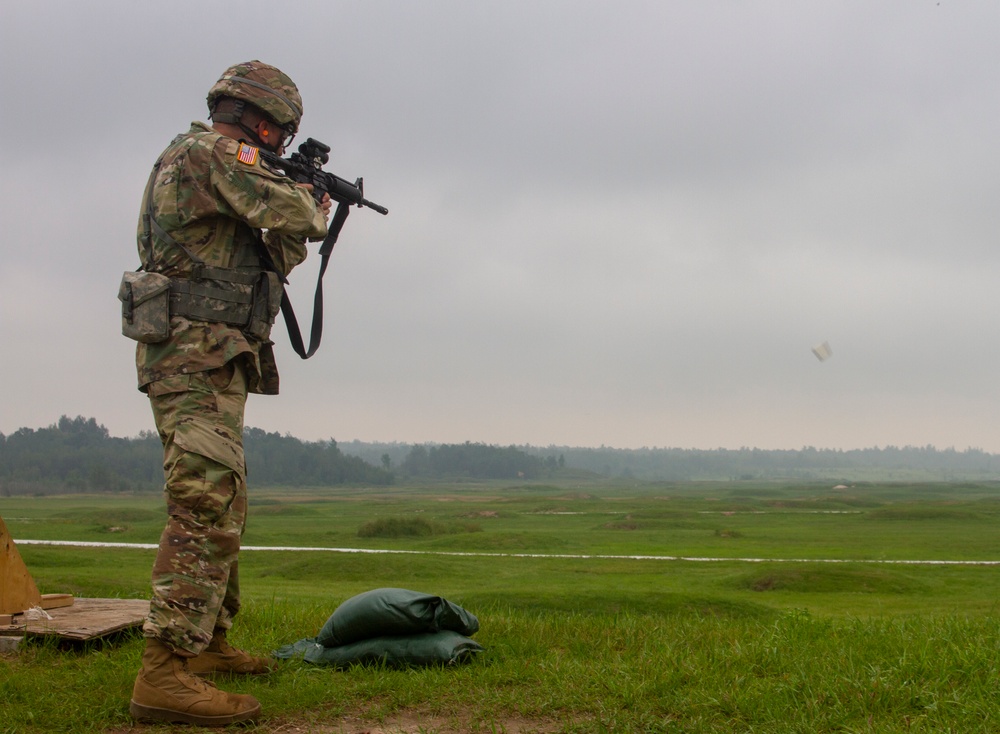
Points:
(86, 619)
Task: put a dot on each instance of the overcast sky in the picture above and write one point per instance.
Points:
(619, 223)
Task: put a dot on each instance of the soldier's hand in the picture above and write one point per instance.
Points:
(326, 204)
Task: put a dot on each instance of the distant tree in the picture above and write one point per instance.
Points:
(284, 460)
(78, 454)
(473, 460)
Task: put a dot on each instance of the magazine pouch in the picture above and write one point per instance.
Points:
(145, 301)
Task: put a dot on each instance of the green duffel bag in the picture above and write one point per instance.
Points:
(430, 648)
(394, 612)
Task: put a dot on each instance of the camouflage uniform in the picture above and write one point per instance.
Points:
(212, 195)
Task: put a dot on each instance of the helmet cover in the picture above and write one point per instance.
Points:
(263, 86)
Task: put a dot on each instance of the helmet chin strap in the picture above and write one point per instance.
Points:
(236, 118)
(256, 139)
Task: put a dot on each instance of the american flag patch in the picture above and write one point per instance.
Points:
(247, 154)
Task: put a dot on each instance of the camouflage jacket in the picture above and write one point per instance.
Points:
(213, 196)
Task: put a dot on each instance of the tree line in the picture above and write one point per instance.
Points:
(887, 463)
(475, 461)
(79, 455)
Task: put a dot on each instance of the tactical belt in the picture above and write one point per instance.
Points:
(204, 301)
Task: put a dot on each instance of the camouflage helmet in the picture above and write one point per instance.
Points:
(263, 86)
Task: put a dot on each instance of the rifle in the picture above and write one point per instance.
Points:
(306, 166)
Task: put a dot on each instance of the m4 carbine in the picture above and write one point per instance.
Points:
(306, 166)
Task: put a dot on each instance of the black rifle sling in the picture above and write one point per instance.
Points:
(291, 323)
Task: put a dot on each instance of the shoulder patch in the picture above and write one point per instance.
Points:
(247, 154)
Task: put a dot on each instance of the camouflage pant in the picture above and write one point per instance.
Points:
(195, 575)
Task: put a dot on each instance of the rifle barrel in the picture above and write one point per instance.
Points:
(373, 205)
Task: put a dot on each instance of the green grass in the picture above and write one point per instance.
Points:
(795, 643)
(685, 670)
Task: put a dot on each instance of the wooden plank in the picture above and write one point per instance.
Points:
(17, 589)
(54, 601)
(86, 619)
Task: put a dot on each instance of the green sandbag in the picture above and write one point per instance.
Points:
(430, 648)
(393, 612)
(296, 649)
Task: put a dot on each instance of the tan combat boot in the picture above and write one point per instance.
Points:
(221, 657)
(166, 691)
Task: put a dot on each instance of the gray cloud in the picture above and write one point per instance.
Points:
(610, 223)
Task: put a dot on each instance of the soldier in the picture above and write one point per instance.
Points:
(225, 230)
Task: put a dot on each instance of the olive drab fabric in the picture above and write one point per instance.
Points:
(422, 649)
(391, 626)
(213, 194)
(392, 611)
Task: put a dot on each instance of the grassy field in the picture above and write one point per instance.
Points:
(650, 608)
